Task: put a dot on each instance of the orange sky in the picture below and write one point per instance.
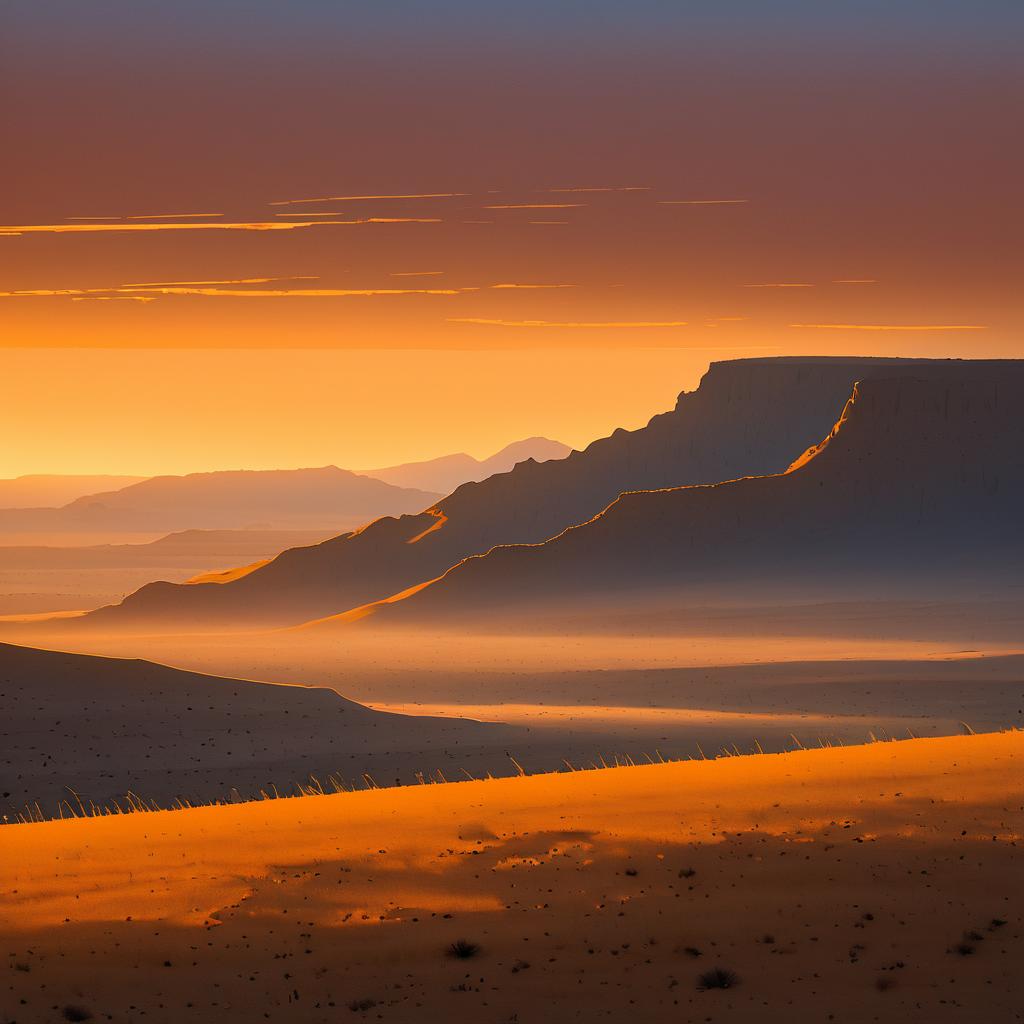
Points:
(308, 235)
(176, 411)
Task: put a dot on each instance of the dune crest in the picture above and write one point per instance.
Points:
(104, 726)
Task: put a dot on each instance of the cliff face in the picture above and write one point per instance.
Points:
(923, 472)
(748, 417)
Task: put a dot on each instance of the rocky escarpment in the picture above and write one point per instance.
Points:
(923, 473)
(750, 416)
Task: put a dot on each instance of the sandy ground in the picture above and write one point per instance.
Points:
(92, 729)
(543, 700)
(877, 883)
(105, 727)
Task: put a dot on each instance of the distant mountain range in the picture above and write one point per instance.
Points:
(52, 491)
(293, 499)
(285, 499)
(449, 471)
(749, 417)
(922, 479)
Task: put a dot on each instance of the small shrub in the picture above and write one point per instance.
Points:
(687, 872)
(717, 977)
(361, 1005)
(884, 983)
(462, 949)
(76, 1013)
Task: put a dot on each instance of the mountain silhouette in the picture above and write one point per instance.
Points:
(448, 472)
(747, 417)
(270, 499)
(922, 478)
(40, 490)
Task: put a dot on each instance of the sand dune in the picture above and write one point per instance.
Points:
(748, 416)
(106, 726)
(450, 471)
(919, 485)
(870, 883)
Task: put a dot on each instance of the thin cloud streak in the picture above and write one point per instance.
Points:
(572, 324)
(127, 291)
(782, 284)
(239, 280)
(51, 293)
(599, 188)
(306, 293)
(532, 286)
(893, 327)
(702, 202)
(535, 206)
(170, 216)
(120, 226)
(359, 199)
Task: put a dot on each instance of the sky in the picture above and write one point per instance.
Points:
(262, 234)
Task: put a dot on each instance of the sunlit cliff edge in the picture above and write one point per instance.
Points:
(748, 417)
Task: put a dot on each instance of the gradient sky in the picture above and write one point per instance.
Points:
(265, 234)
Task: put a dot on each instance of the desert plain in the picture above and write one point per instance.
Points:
(878, 882)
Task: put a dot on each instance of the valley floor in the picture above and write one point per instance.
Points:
(873, 883)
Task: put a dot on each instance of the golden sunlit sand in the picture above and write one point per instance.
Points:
(880, 882)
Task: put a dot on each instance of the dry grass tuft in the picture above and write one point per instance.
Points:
(463, 949)
(717, 977)
(76, 1013)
